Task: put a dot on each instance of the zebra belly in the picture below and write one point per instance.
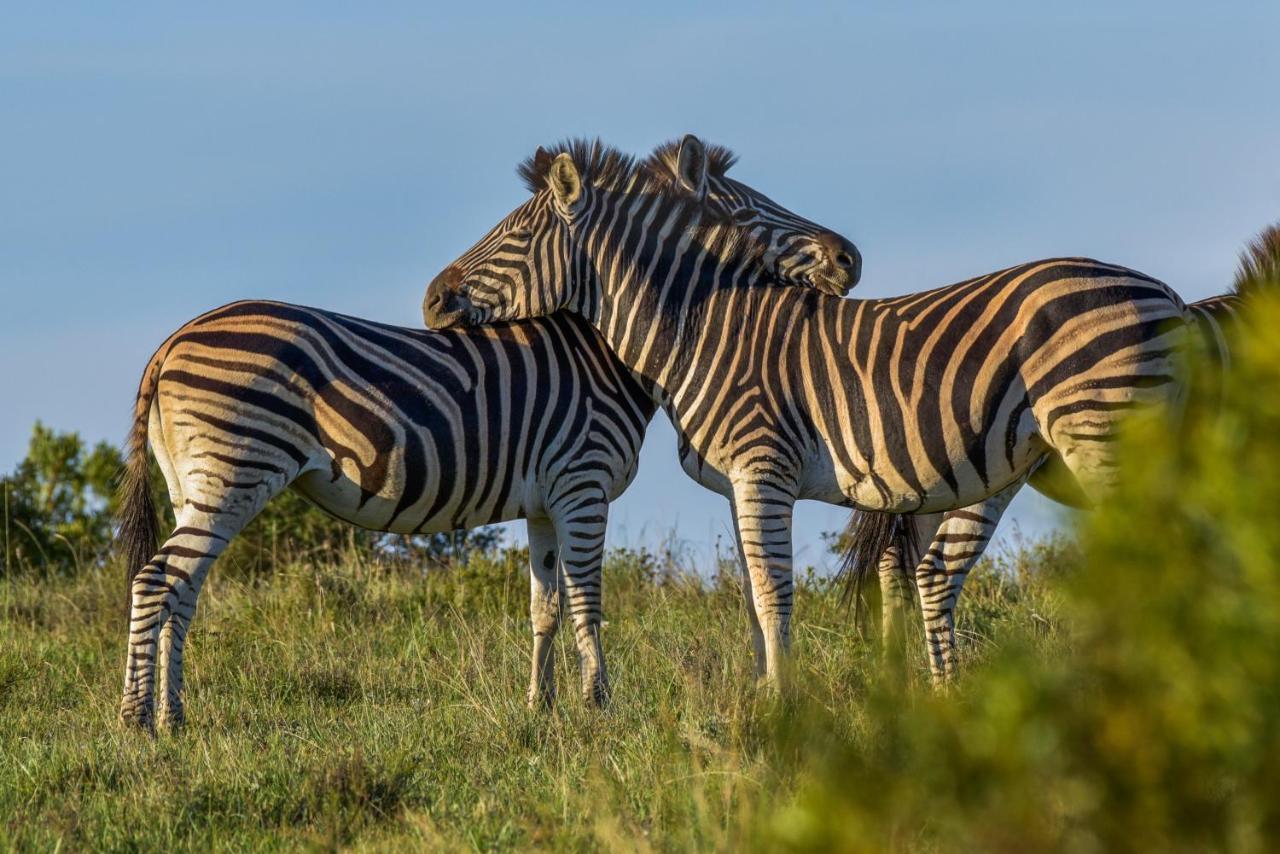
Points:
(966, 473)
(705, 473)
(343, 497)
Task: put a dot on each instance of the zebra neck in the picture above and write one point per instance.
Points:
(653, 307)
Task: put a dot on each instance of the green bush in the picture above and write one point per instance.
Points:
(58, 502)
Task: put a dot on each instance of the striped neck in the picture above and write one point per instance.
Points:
(654, 272)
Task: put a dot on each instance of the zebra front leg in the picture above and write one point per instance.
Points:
(581, 559)
(544, 610)
(959, 542)
(757, 634)
(763, 515)
(164, 592)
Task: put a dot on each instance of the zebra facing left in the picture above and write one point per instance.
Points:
(409, 431)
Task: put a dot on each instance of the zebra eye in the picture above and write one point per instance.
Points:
(520, 234)
(742, 216)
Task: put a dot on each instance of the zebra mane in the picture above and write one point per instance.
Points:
(1260, 263)
(662, 162)
(609, 168)
(602, 165)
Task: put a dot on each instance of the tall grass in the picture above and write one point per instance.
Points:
(351, 704)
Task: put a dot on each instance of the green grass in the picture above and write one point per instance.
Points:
(348, 705)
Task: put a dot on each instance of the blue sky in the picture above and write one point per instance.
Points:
(155, 162)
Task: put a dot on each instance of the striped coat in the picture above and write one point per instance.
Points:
(935, 401)
(948, 545)
(391, 429)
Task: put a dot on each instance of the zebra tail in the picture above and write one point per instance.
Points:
(866, 538)
(138, 531)
(1259, 264)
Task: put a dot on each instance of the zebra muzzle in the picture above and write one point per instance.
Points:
(443, 306)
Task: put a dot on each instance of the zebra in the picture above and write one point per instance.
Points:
(405, 431)
(929, 402)
(948, 545)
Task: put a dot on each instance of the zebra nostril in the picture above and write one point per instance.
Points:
(844, 259)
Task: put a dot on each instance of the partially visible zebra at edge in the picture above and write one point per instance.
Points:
(407, 431)
(946, 546)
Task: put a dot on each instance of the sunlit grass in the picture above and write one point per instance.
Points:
(344, 704)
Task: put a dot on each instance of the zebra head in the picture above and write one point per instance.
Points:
(525, 266)
(533, 262)
(796, 250)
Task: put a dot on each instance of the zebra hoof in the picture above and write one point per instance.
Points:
(172, 720)
(541, 700)
(596, 694)
(138, 717)
(768, 686)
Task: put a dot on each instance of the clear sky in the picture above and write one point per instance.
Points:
(157, 162)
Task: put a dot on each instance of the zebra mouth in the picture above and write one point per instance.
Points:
(837, 285)
(444, 313)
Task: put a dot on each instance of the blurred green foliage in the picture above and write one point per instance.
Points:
(1156, 724)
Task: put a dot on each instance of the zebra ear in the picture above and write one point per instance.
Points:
(565, 182)
(691, 166)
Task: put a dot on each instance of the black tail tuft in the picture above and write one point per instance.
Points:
(1260, 263)
(138, 531)
(863, 544)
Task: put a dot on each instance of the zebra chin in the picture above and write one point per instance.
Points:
(443, 307)
(837, 286)
(436, 319)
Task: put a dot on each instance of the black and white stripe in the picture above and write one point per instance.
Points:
(391, 429)
(935, 401)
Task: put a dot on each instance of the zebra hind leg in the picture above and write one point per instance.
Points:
(163, 598)
(895, 596)
(897, 586)
(173, 639)
(748, 597)
(959, 542)
(544, 610)
(581, 530)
